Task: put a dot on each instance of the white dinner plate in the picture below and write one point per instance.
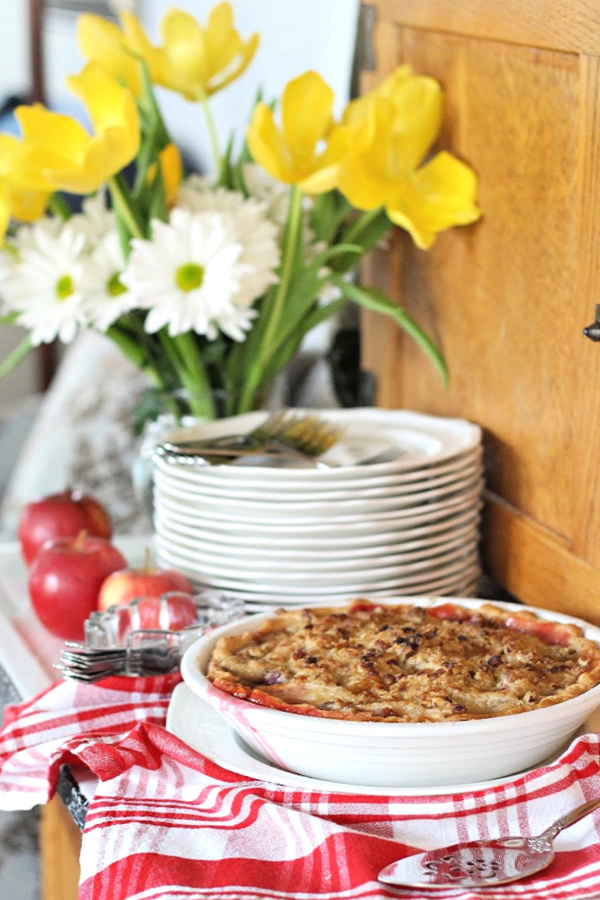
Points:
(178, 479)
(461, 585)
(214, 477)
(202, 550)
(203, 729)
(435, 580)
(421, 440)
(232, 515)
(188, 498)
(291, 570)
(344, 542)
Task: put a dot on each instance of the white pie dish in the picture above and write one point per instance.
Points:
(400, 754)
(203, 729)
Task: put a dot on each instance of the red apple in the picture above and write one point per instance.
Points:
(130, 583)
(172, 611)
(65, 578)
(61, 515)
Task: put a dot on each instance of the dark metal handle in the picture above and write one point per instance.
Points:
(593, 331)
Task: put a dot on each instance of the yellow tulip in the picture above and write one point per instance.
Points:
(103, 42)
(24, 193)
(437, 196)
(138, 43)
(69, 157)
(292, 153)
(358, 109)
(171, 170)
(411, 106)
(199, 61)
(192, 60)
(382, 168)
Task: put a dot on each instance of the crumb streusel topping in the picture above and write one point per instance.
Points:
(405, 663)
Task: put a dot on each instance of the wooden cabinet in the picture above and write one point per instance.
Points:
(508, 297)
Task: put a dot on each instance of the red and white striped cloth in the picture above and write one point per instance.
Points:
(167, 824)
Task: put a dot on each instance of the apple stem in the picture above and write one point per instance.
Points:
(80, 539)
(147, 566)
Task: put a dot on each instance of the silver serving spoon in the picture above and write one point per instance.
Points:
(482, 863)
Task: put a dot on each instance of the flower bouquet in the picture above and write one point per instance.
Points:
(209, 284)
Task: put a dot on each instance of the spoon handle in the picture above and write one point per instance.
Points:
(571, 817)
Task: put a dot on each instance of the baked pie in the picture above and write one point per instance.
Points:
(406, 663)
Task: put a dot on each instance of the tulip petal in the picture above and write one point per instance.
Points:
(326, 171)
(222, 79)
(306, 115)
(362, 184)
(103, 42)
(18, 166)
(62, 136)
(417, 105)
(109, 106)
(440, 194)
(356, 110)
(185, 48)
(29, 206)
(138, 43)
(223, 43)
(62, 150)
(172, 171)
(266, 144)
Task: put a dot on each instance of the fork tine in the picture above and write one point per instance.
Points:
(389, 454)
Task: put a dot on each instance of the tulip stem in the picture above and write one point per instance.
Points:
(361, 223)
(290, 245)
(212, 132)
(124, 207)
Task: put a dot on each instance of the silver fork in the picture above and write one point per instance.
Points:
(150, 653)
(281, 433)
(388, 454)
(107, 650)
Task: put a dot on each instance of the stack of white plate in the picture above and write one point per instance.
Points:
(270, 535)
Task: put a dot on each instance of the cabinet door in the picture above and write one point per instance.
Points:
(508, 297)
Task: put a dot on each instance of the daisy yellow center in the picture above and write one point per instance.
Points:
(189, 277)
(115, 286)
(64, 287)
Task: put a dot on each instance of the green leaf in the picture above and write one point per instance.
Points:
(17, 355)
(376, 300)
(225, 178)
(287, 348)
(330, 210)
(128, 345)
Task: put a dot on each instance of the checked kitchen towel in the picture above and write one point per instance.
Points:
(167, 824)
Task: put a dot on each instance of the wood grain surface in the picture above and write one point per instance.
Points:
(509, 296)
(60, 845)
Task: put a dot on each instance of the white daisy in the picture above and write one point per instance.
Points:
(258, 235)
(274, 194)
(201, 271)
(106, 297)
(98, 218)
(45, 285)
(8, 263)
